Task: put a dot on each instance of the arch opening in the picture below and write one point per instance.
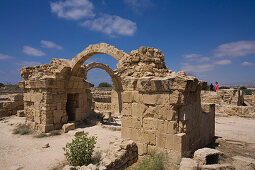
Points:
(106, 100)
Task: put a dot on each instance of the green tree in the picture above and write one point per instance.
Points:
(104, 84)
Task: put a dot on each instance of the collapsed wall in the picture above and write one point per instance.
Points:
(160, 108)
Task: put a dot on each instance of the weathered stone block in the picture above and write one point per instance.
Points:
(172, 127)
(138, 109)
(149, 124)
(161, 140)
(126, 109)
(150, 98)
(206, 156)
(67, 127)
(126, 132)
(126, 121)
(127, 97)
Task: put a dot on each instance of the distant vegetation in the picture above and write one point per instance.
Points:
(104, 84)
(224, 87)
(245, 90)
(2, 85)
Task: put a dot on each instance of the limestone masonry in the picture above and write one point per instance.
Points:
(159, 108)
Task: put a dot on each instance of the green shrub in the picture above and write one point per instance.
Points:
(224, 87)
(153, 161)
(41, 135)
(22, 129)
(79, 151)
(104, 84)
(55, 132)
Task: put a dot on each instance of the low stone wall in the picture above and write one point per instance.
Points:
(223, 97)
(236, 110)
(10, 104)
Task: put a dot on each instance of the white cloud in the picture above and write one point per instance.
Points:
(197, 68)
(235, 49)
(5, 57)
(73, 9)
(32, 51)
(203, 59)
(50, 44)
(139, 3)
(27, 63)
(247, 64)
(223, 62)
(189, 56)
(111, 25)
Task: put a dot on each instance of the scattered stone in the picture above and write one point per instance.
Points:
(207, 156)
(243, 163)
(17, 167)
(67, 127)
(46, 145)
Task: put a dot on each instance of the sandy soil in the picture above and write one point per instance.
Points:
(26, 152)
(235, 128)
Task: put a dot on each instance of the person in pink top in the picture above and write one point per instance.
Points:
(216, 86)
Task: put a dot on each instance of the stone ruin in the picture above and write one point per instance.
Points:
(160, 109)
(230, 101)
(11, 100)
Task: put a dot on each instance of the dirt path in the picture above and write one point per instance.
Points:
(235, 128)
(26, 152)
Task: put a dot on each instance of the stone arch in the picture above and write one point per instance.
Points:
(101, 48)
(116, 92)
(113, 74)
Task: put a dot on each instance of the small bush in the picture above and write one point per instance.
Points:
(153, 161)
(79, 151)
(55, 132)
(22, 129)
(104, 84)
(41, 135)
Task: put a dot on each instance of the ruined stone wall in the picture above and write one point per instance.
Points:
(10, 104)
(223, 97)
(229, 101)
(160, 109)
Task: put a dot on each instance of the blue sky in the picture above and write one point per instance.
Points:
(211, 39)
